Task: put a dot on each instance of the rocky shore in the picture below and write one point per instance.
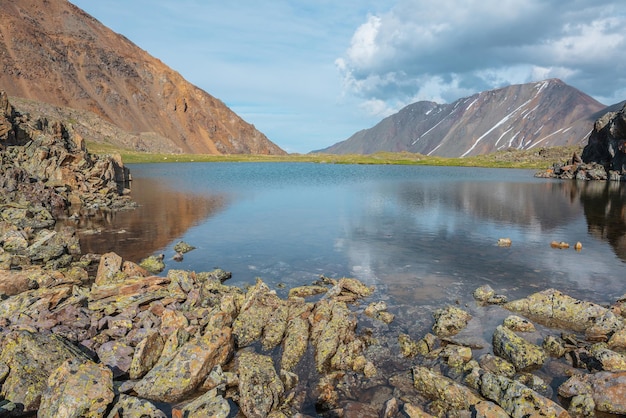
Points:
(604, 156)
(131, 344)
(86, 335)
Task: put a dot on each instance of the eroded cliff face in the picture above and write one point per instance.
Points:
(607, 142)
(54, 52)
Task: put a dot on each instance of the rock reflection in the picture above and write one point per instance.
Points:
(163, 215)
(604, 205)
(522, 204)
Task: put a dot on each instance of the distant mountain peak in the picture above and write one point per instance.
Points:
(522, 116)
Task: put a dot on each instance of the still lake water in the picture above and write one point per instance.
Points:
(424, 236)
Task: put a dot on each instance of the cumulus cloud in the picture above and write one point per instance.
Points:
(441, 51)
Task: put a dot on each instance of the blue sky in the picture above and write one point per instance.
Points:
(310, 74)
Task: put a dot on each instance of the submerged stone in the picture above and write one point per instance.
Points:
(449, 321)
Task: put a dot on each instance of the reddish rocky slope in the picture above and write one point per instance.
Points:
(51, 51)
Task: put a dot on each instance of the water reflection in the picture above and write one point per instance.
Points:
(163, 215)
(604, 204)
(423, 235)
(437, 241)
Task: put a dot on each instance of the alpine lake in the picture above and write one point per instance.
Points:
(424, 237)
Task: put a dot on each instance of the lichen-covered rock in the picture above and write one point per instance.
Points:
(146, 355)
(411, 348)
(519, 324)
(275, 329)
(618, 340)
(210, 404)
(131, 407)
(256, 314)
(173, 380)
(554, 346)
(516, 399)
(450, 395)
(332, 327)
(112, 298)
(109, 269)
(484, 293)
(182, 247)
(117, 355)
(607, 389)
(582, 406)
(496, 365)
(449, 321)
(553, 308)
(456, 355)
(378, 310)
(78, 388)
(31, 358)
(609, 360)
(154, 264)
(306, 291)
(521, 353)
(296, 338)
(260, 387)
(414, 411)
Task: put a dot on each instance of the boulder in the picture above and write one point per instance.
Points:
(182, 247)
(126, 406)
(32, 358)
(260, 387)
(553, 308)
(517, 399)
(449, 321)
(154, 263)
(146, 355)
(333, 336)
(172, 381)
(116, 355)
(78, 388)
(450, 394)
(607, 389)
(260, 307)
(519, 352)
(296, 338)
(211, 404)
(608, 359)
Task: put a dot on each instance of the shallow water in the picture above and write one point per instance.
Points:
(423, 235)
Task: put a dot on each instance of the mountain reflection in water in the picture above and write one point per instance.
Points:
(163, 215)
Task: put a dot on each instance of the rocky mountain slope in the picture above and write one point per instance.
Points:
(53, 52)
(546, 113)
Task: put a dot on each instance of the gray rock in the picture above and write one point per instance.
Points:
(172, 381)
(449, 321)
(260, 387)
(78, 388)
(31, 358)
(521, 353)
(131, 407)
(605, 388)
(516, 399)
(211, 404)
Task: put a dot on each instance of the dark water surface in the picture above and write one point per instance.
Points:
(423, 235)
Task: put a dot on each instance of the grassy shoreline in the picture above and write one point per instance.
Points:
(539, 158)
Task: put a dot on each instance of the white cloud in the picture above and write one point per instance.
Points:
(443, 50)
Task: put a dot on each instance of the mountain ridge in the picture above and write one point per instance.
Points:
(54, 52)
(523, 116)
